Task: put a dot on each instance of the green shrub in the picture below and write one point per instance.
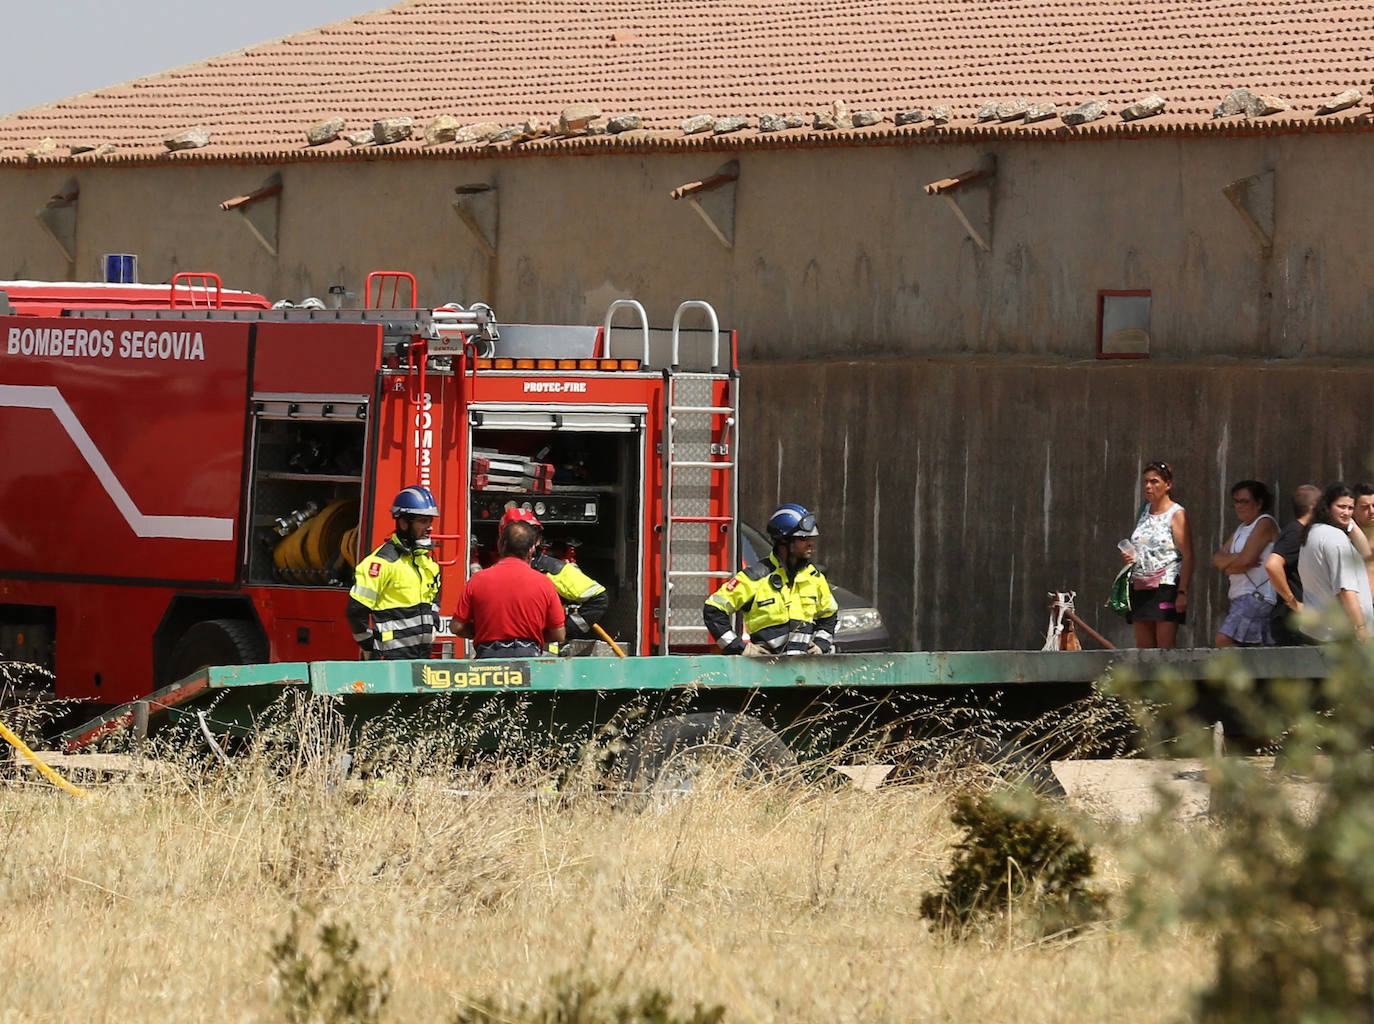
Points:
(576, 999)
(1012, 853)
(324, 982)
(1284, 879)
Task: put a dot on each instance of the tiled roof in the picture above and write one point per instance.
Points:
(509, 60)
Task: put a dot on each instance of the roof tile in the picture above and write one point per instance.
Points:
(510, 60)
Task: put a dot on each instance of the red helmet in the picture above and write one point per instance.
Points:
(520, 515)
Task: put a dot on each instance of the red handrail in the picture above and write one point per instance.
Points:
(395, 277)
(446, 536)
(190, 280)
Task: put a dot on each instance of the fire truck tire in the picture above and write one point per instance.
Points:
(669, 755)
(216, 642)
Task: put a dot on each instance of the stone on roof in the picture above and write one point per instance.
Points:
(506, 61)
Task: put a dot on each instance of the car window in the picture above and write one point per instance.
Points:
(751, 542)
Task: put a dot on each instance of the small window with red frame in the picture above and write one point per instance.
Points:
(1123, 325)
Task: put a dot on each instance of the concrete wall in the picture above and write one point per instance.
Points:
(961, 490)
(957, 486)
(336, 224)
(838, 252)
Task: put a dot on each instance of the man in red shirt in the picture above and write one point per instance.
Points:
(510, 610)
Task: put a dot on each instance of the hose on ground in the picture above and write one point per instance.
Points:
(48, 773)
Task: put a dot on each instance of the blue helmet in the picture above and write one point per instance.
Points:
(791, 521)
(414, 501)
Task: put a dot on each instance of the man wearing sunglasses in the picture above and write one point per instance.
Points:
(787, 605)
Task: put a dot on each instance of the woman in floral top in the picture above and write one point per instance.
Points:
(1162, 562)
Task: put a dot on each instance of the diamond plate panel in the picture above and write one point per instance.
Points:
(693, 435)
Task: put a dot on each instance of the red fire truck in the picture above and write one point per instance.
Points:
(190, 474)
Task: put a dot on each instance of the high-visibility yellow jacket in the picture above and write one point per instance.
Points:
(584, 599)
(785, 614)
(397, 589)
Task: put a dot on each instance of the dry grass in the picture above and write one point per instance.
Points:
(160, 901)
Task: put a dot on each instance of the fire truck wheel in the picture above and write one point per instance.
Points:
(216, 642)
(674, 754)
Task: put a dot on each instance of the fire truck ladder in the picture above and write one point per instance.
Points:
(699, 456)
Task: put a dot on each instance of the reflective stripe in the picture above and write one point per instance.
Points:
(716, 601)
(726, 639)
(405, 632)
(773, 632)
(362, 593)
(408, 635)
(420, 642)
(396, 625)
(793, 636)
(592, 591)
(822, 634)
(364, 635)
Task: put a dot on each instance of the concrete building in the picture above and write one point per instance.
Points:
(929, 308)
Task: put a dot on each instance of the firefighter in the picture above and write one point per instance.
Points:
(584, 600)
(397, 586)
(787, 605)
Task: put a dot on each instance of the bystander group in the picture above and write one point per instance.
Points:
(1310, 582)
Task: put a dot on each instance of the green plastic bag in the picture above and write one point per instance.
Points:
(1120, 601)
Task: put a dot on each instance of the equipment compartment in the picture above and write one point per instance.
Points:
(305, 492)
(590, 507)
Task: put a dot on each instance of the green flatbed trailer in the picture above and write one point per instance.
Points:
(810, 704)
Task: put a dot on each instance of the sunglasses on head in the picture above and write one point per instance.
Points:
(1162, 467)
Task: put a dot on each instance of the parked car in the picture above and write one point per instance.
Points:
(860, 628)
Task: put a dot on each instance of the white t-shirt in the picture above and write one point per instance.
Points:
(1328, 563)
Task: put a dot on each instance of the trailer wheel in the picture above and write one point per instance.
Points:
(673, 753)
(216, 642)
